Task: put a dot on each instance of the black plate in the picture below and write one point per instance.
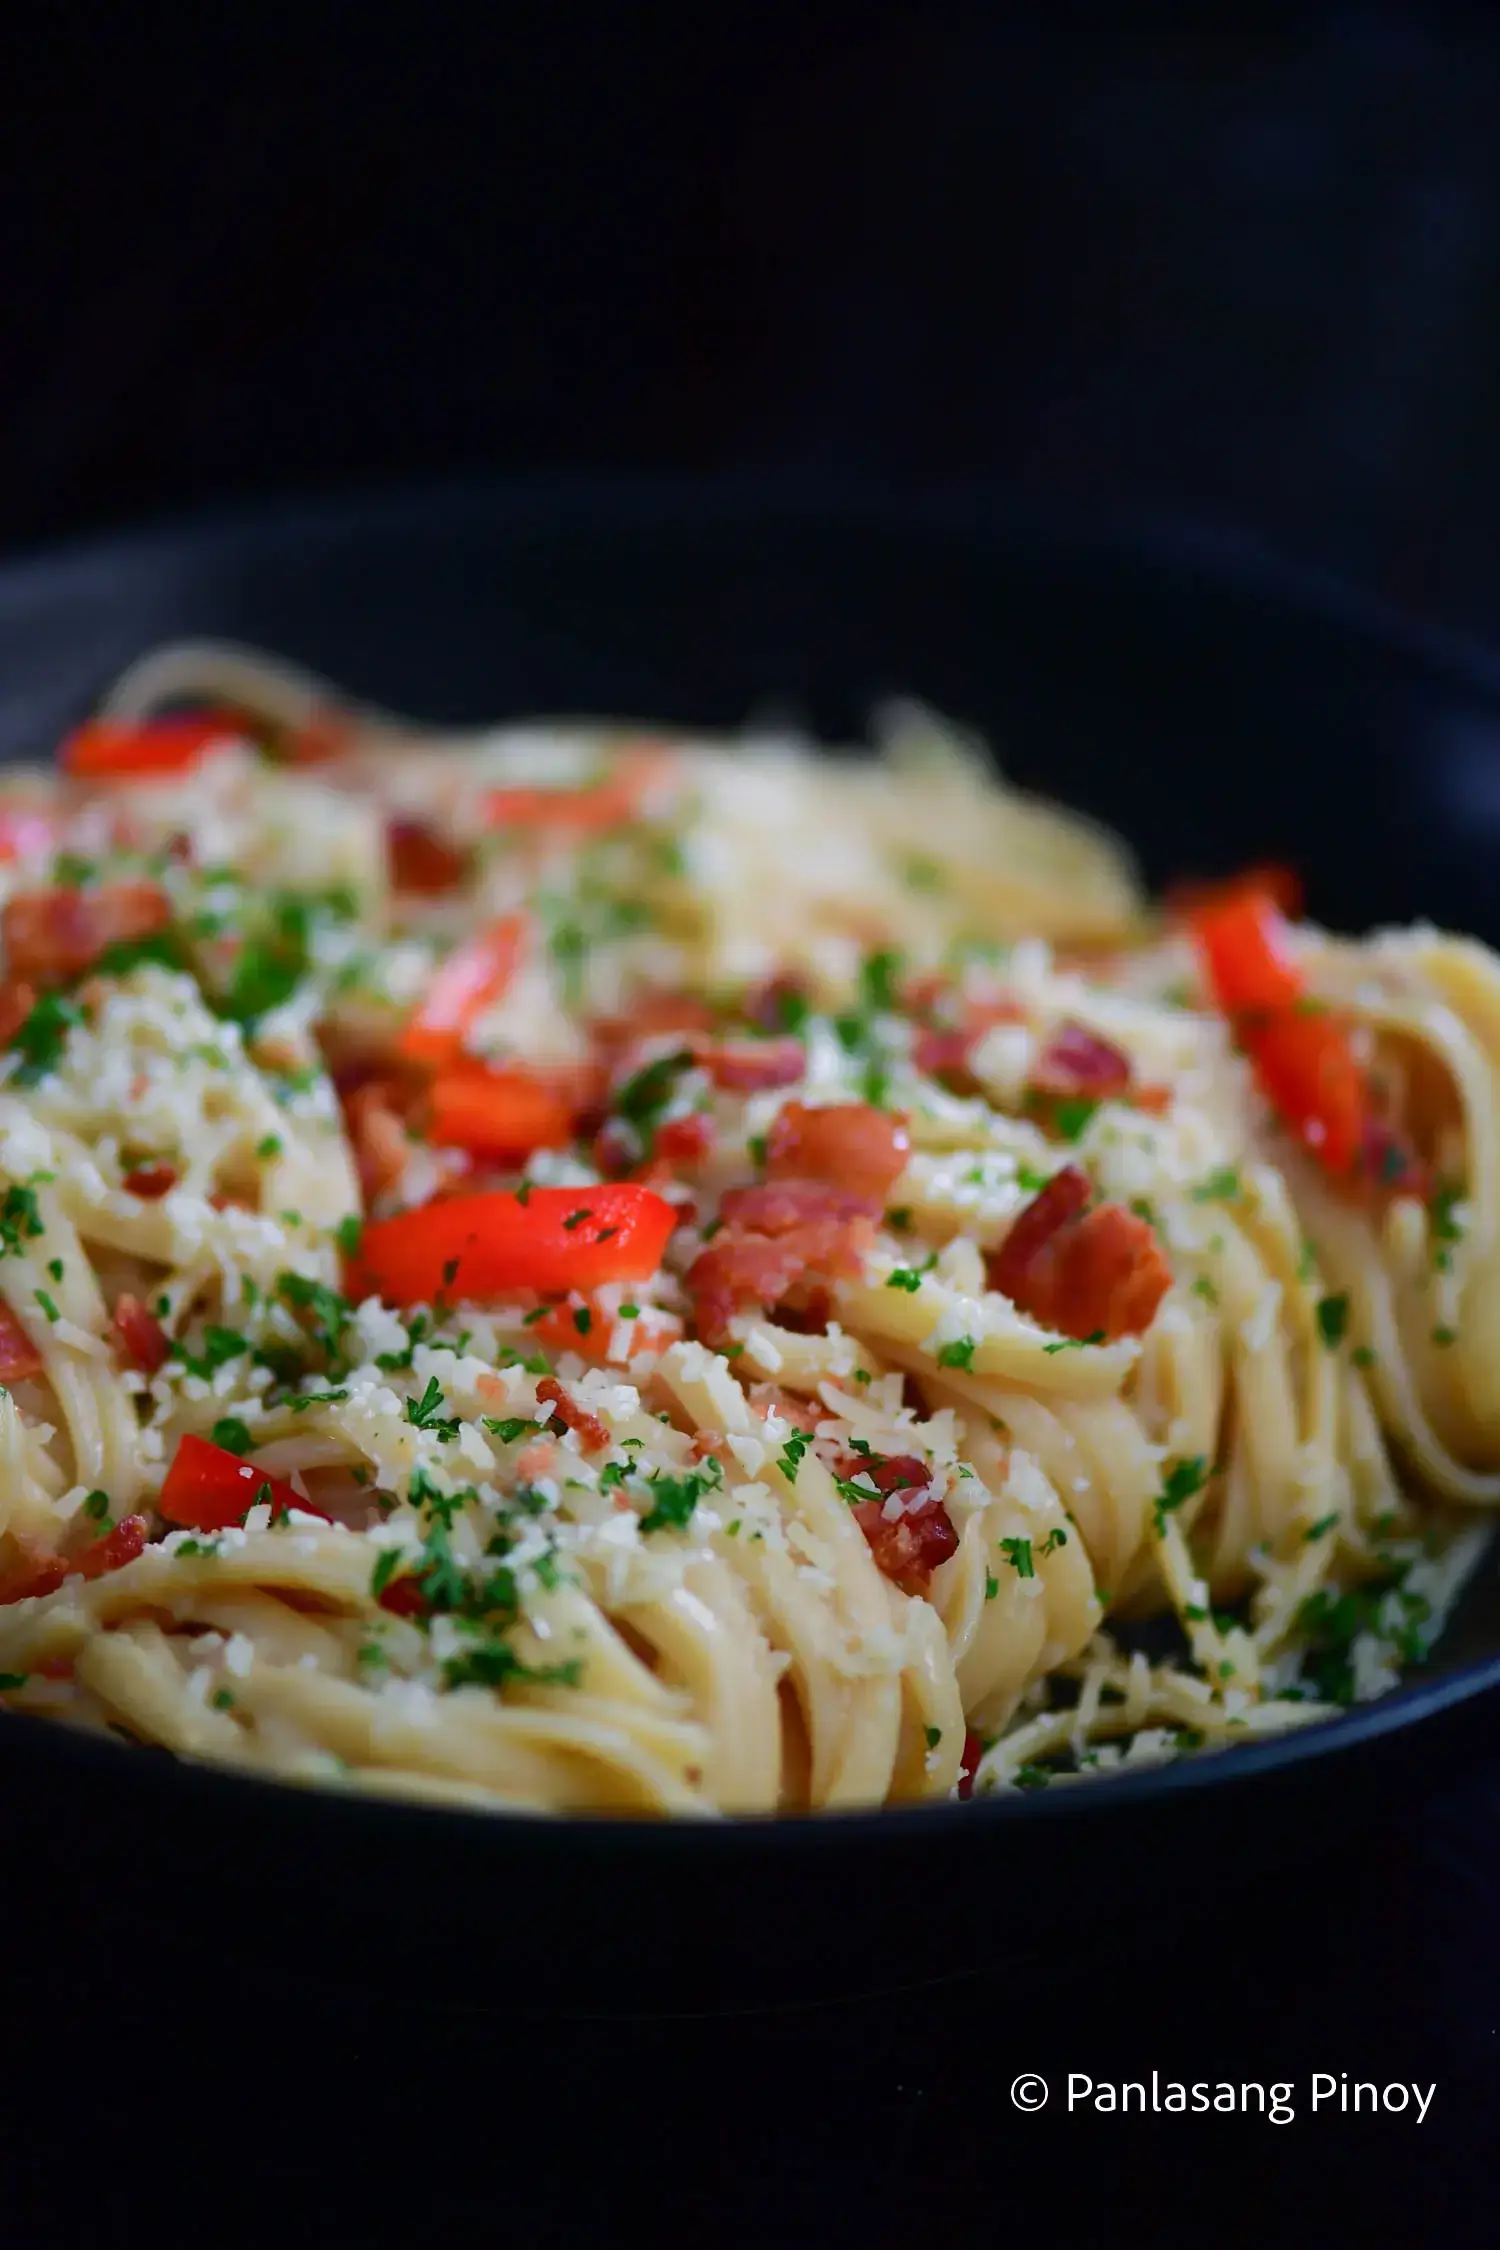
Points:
(1217, 707)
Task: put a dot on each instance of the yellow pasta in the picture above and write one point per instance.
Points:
(569, 1269)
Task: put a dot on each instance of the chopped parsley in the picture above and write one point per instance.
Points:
(269, 1147)
(511, 1428)
(1074, 1343)
(1333, 1319)
(20, 1220)
(791, 1453)
(41, 1038)
(1441, 1336)
(957, 1354)
(1071, 1117)
(934, 1737)
(1222, 1186)
(348, 1232)
(47, 1305)
(643, 1099)
(329, 1312)
(908, 1277)
(232, 1434)
(1321, 1528)
(96, 1507)
(1183, 1479)
(1017, 1553)
(673, 1499)
(426, 1412)
(991, 1585)
(583, 1319)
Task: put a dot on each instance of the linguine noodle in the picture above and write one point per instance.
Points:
(570, 1269)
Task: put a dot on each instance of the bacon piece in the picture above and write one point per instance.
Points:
(945, 1054)
(737, 1271)
(150, 1181)
(592, 1433)
(909, 1547)
(899, 1472)
(403, 1597)
(749, 1066)
(777, 1207)
(651, 1014)
(968, 1764)
(377, 1134)
(140, 1335)
(53, 936)
(1084, 1273)
(32, 1574)
(423, 861)
(114, 1550)
(16, 1003)
(710, 1445)
(859, 1149)
(19, 1356)
(685, 1140)
(1076, 1065)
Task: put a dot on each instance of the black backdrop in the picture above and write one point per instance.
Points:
(1240, 264)
(1237, 267)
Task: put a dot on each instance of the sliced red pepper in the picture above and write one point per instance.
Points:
(1301, 1054)
(610, 803)
(150, 1181)
(19, 1356)
(968, 1764)
(498, 1113)
(140, 1335)
(468, 982)
(207, 1489)
(1185, 901)
(114, 1550)
(1251, 968)
(550, 1239)
(140, 749)
(1308, 1072)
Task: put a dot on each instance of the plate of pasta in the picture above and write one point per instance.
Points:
(613, 1267)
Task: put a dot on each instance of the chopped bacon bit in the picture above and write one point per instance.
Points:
(1077, 1065)
(592, 1433)
(614, 1149)
(140, 1335)
(223, 1200)
(751, 1065)
(968, 1764)
(423, 861)
(945, 1054)
(802, 1413)
(150, 1181)
(114, 1550)
(377, 1135)
(860, 1149)
(739, 1270)
(1084, 1273)
(19, 1356)
(16, 1003)
(651, 1014)
(709, 1445)
(33, 1574)
(53, 936)
(685, 1140)
(403, 1597)
(768, 1005)
(900, 1472)
(909, 1547)
(777, 1207)
(56, 1668)
(1154, 1100)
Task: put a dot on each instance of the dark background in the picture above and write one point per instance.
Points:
(1239, 264)
(1239, 267)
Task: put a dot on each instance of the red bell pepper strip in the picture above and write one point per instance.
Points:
(551, 1239)
(1301, 1054)
(144, 749)
(19, 1356)
(1281, 885)
(207, 1489)
(496, 1113)
(468, 982)
(610, 803)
